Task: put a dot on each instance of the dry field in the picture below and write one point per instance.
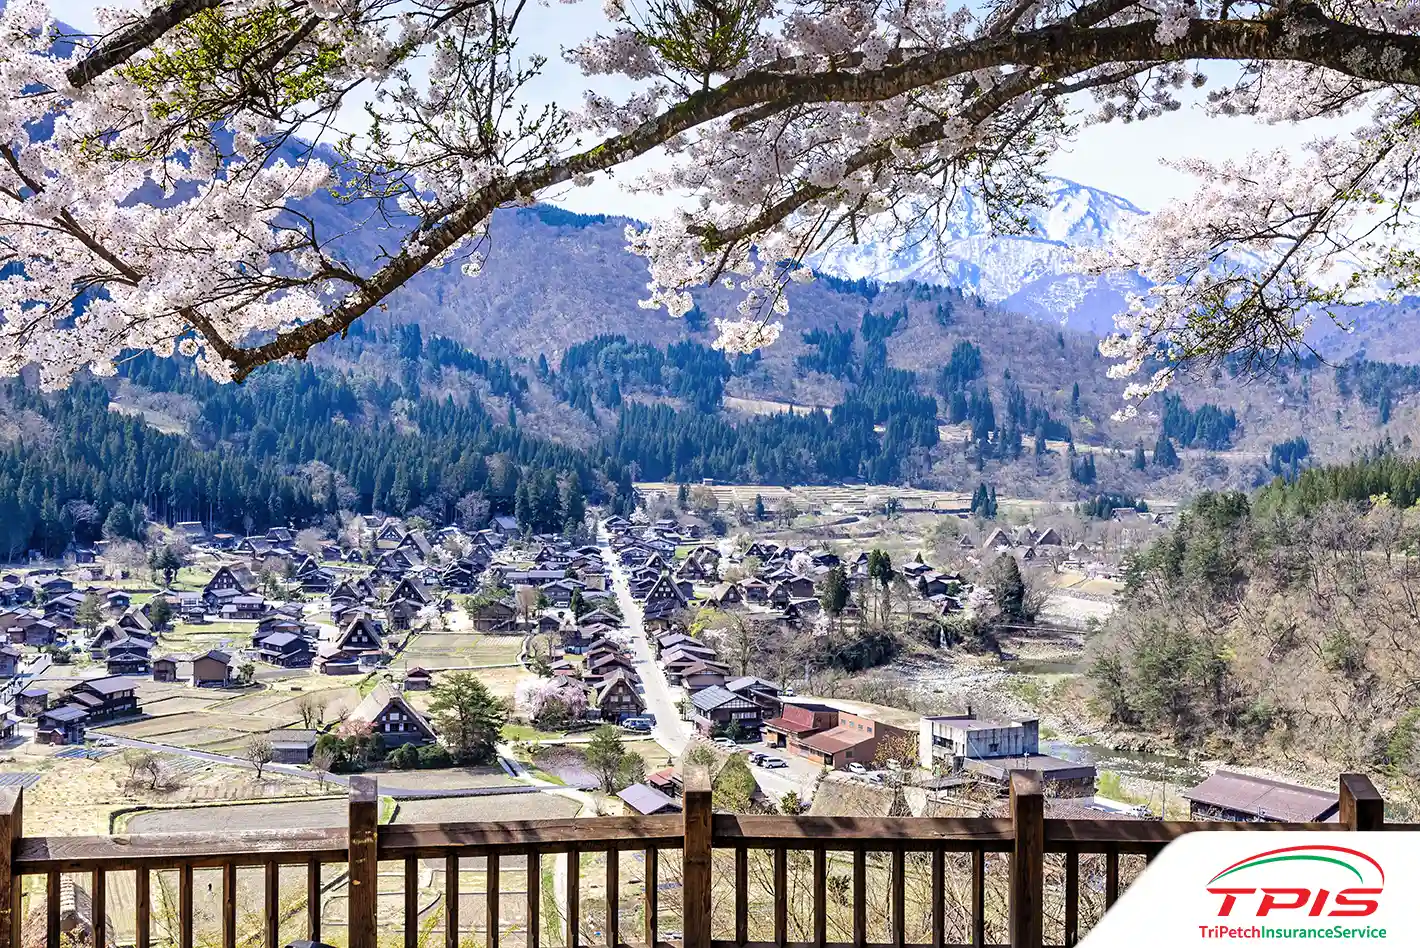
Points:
(221, 721)
(499, 808)
(78, 797)
(834, 499)
(286, 814)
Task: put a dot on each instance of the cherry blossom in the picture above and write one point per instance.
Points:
(155, 186)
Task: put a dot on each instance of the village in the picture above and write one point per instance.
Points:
(240, 681)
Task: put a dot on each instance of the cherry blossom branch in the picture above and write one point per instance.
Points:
(132, 39)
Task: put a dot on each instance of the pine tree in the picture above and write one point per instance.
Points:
(1075, 400)
(1008, 587)
(1164, 453)
(118, 525)
(1140, 461)
(833, 591)
(159, 612)
(90, 615)
(682, 496)
(759, 511)
(523, 507)
(547, 504)
(574, 504)
(165, 561)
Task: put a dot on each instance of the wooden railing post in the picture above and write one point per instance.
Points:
(364, 861)
(1361, 805)
(1027, 860)
(695, 875)
(12, 801)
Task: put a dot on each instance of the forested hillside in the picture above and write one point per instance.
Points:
(1281, 628)
(291, 445)
(1011, 392)
(551, 370)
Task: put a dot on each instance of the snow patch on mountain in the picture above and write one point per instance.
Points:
(1034, 273)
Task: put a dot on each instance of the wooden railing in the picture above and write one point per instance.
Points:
(800, 900)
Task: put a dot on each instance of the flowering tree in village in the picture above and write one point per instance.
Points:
(155, 179)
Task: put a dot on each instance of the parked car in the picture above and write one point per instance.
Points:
(724, 742)
(757, 758)
(636, 724)
(774, 763)
(856, 768)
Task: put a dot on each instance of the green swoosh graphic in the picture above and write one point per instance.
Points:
(1345, 865)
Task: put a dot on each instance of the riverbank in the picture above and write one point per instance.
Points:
(1045, 678)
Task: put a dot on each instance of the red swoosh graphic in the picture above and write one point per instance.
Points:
(1292, 849)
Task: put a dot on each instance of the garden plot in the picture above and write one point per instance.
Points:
(284, 814)
(461, 778)
(513, 806)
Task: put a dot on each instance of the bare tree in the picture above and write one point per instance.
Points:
(258, 752)
(741, 637)
(140, 761)
(312, 709)
(321, 762)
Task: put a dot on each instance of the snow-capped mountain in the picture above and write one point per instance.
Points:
(1032, 273)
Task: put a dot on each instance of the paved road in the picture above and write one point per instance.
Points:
(670, 731)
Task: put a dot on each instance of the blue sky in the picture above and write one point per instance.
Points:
(1124, 159)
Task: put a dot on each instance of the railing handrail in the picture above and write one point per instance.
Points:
(1027, 835)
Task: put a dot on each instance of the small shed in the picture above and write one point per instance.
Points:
(417, 679)
(647, 800)
(292, 747)
(165, 668)
(31, 701)
(212, 668)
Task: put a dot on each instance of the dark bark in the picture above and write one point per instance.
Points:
(127, 42)
(1302, 34)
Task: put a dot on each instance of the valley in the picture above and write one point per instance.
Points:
(649, 475)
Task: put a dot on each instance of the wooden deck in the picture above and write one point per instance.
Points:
(704, 848)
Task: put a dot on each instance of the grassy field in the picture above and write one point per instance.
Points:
(195, 638)
(526, 732)
(435, 650)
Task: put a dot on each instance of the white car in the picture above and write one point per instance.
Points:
(774, 763)
(724, 742)
(856, 768)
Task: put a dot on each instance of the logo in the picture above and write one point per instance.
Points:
(1313, 881)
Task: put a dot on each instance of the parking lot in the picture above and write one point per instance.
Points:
(797, 774)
